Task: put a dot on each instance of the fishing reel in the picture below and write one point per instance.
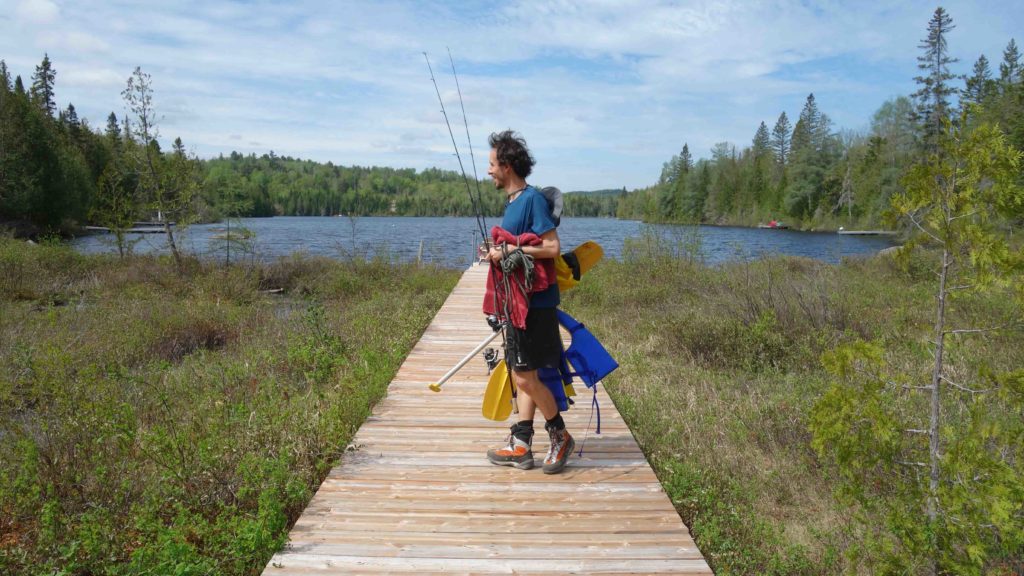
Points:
(491, 357)
(494, 323)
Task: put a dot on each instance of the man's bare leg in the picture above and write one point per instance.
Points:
(533, 394)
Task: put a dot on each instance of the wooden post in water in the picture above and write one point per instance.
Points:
(419, 255)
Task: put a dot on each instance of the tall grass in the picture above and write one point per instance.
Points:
(157, 423)
(720, 367)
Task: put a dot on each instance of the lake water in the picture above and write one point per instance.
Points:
(450, 241)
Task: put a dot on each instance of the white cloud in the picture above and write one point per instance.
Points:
(85, 42)
(93, 77)
(36, 11)
(604, 89)
(51, 40)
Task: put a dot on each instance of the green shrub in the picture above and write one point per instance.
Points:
(720, 369)
(178, 423)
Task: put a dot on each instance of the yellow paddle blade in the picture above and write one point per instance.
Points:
(497, 404)
(564, 275)
(569, 391)
(589, 253)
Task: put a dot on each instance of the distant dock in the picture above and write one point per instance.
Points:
(867, 232)
(137, 228)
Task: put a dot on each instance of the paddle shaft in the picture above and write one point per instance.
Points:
(437, 386)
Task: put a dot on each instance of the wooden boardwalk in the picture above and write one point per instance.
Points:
(415, 493)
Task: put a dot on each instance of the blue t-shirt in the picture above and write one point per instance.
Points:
(529, 212)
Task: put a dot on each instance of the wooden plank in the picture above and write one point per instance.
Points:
(496, 474)
(414, 493)
(611, 544)
(455, 549)
(329, 564)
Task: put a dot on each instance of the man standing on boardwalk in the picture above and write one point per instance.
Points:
(539, 345)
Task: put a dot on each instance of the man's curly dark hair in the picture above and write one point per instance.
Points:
(511, 150)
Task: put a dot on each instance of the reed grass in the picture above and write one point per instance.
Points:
(156, 422)
(720, 367)
(161, 423)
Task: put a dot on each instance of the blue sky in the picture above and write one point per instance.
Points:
(604, 91)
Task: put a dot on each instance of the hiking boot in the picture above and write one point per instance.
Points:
(558, 454)
(516, 453)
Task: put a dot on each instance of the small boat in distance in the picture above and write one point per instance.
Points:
(774, 225)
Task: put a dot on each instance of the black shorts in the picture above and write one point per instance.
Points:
(538, 346)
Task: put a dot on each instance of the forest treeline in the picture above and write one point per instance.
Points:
(270, 185)
(811, 175)
(58, 171)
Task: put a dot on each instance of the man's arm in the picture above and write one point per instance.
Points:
(550, 247)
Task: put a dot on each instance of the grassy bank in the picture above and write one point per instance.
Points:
(156, 423)
(720, 367)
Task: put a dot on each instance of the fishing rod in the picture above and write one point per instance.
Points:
(472, 157)
(472, 201)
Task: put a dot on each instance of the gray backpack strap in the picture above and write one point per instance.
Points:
(554, 198)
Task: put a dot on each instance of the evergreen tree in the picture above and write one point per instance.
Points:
(43, 175)
(685, 160)
(1003, 104)
(685, 165)
(71, 116)
(112, 134)
(6, 135)
(18, 183)
(933, 459)
(113, 131)
(933, 96)
(978, 84)
(42, 86)
(762, 141)
(1009, 70)
(806, 133)
(126, 129)
(760, 170)
(72, 124)
(5, 78)
(780, 142)
(810, 155)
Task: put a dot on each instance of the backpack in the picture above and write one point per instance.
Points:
(554, 197)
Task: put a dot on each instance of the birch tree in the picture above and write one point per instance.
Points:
(170, 185)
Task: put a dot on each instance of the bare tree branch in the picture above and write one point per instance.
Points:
(983, 330)
(964, 388)
(952, 218)
(913, 219)
(915, 464)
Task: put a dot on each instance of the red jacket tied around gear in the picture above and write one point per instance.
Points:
(497, 299)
